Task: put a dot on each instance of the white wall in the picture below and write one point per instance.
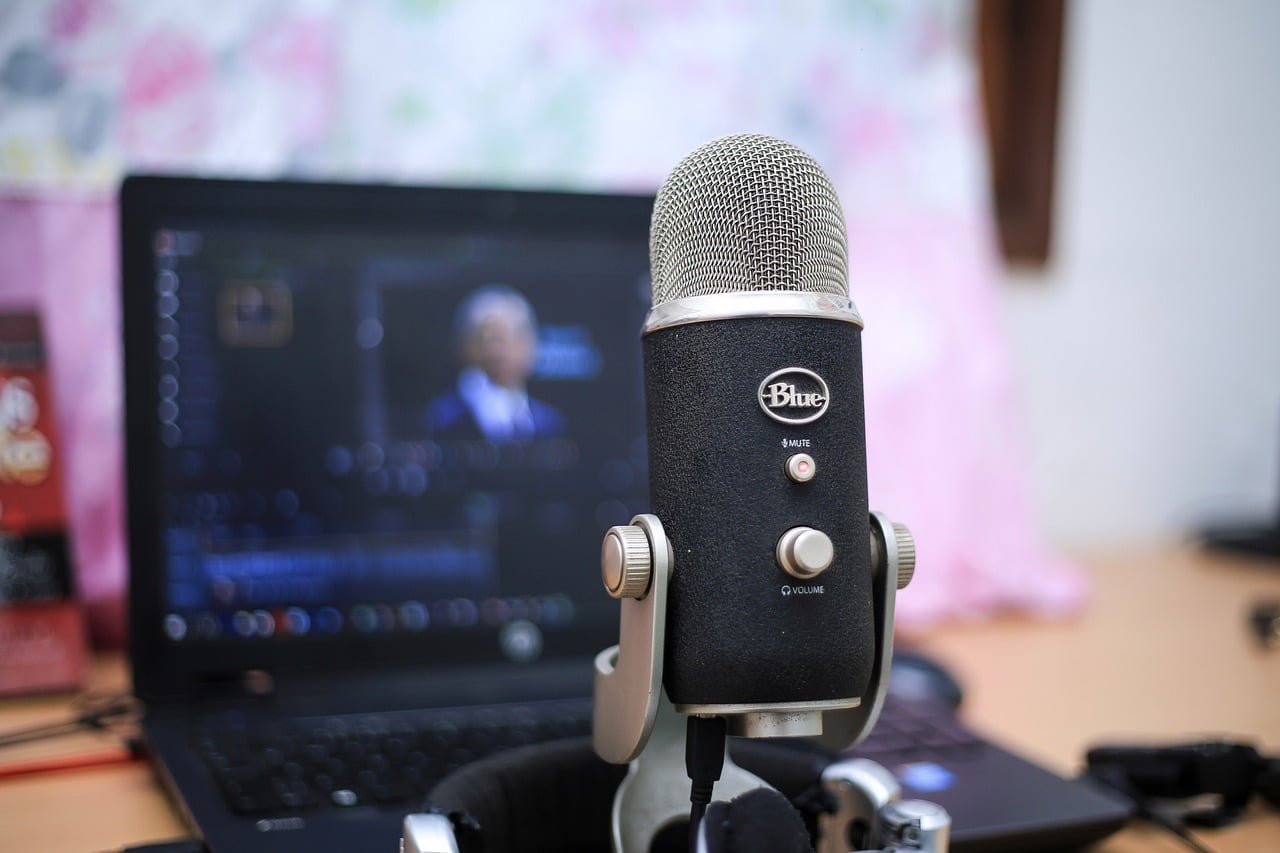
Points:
(1149, 350)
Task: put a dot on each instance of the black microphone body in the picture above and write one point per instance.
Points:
(740, 629)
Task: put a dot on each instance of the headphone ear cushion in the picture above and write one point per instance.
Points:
(557, 797)
(759, 821)
(552, 797)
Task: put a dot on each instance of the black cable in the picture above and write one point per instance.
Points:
(96, 712)
(182, 845)
(15, 737)
(696, 812)
(703, 761)
(1176, 827)
(1115, 778)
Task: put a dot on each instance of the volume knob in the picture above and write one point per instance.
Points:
(626, 562)
(805, 553)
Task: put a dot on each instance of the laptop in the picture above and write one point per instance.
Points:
(374, 434)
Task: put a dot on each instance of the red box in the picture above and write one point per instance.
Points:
(42, 635)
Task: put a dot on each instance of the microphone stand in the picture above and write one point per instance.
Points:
(650, 796)
(635, 723)
(631, 713)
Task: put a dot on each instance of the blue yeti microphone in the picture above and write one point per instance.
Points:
(757, 598)
(757, 455)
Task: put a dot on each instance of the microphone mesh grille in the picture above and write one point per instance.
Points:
(747, 212)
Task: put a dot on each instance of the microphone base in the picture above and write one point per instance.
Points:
(791, 719)
(776, 724)
(655, 792)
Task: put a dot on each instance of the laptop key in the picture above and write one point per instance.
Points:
(344, 797)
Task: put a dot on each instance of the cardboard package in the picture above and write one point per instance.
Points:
(42, 633)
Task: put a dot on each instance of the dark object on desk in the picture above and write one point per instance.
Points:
(915, 676)
(1269, 782)
(1168, 786)
(1265, 621)
(1227, 773)
(1257, 540)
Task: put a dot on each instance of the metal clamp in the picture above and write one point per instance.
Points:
(428, 833)
(845, 728)
(859, 788)
(628, 680)
(870, 815)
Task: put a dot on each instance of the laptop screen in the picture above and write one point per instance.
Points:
(393, 433)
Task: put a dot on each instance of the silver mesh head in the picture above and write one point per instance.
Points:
(747, 212)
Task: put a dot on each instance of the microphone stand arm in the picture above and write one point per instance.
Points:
(628, 679)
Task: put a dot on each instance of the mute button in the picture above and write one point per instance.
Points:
(801, 468)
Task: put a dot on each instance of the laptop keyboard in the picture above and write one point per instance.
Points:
(917, 730)
(385, 759)
(396, 758)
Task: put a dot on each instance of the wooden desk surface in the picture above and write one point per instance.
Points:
(1163, 652)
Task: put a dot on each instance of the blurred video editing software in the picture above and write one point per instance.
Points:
(370, 433)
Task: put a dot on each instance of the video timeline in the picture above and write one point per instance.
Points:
(552, 611)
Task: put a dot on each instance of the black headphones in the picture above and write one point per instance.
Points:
(557, 797)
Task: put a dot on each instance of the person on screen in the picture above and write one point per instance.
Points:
(497, 335)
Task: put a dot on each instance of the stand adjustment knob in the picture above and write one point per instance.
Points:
(805, 553)
(906, 545)
(626, 563)
(901, 552)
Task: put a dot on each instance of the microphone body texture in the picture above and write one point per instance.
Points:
(740, 630)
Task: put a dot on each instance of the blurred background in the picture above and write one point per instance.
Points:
(1063, 219)
(1146, 348)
